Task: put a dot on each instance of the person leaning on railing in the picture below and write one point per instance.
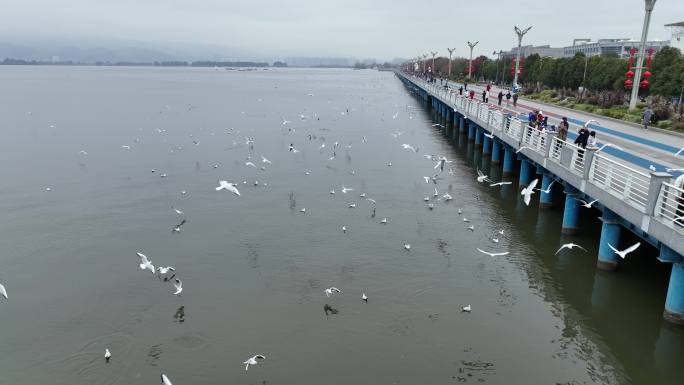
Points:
(563, 129)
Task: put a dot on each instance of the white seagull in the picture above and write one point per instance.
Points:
(179, 286)
(344, 229)
(608, 145)
(384, 221)
(446, 197)
(145, 264)
(409, 147)
(500, 184)
(493, 254)
(165, 380)
(179, 212)
(466, 309)
(548, 188)
(570, 246)
(329, 291)
(345, 189)
(407, 246)
(528, 191)
(679, 152)
(352, 205)
(253, 361)
(490, 136)
(164, 270)
(224, 185)
(364, 297)
(3, 291)
(108, 355)
(481, 177)
(588, 122)
(587, 204)
(626, 251)
(264, 160)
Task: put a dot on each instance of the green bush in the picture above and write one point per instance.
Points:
(665, 123)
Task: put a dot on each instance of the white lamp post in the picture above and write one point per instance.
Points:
(470, 66)
(642, 52)
(520, 33)
(451, 51)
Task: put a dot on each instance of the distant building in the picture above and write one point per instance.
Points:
(619, 47)
(527, 50)
(677, 40)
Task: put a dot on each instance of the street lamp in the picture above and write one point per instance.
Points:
(520, 34)
(424, 57)
(433, 61)
(496, 79)
(470, 67)
(642, 52)
(451, 51)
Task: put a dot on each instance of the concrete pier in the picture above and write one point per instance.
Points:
(610, 234)
(509, 161)
(496, 151)
(546, 198)
(571, 211)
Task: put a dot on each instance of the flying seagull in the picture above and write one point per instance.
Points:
(679, 152)
(145, 264)
(466, 309)
(384, 221)
(409, 147)
(364, 297)
(163, 270)
(481, 177)
(224, 185)
(528, 191)
(500, 184)
(264, 160)
(608, 145)
(493, 254)
(179, 212)
(108, 355)
(570, 246)
(345, 189)
(590, 121)
(329, 291)
(177, 228)
(587, 204)
(165, 380)
(179, 286)
(407, 246)
(548, 188)
(3, 291)
(626, 251)
(253, 360)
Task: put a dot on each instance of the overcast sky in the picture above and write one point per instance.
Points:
(362, 28)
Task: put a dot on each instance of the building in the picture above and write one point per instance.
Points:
(527, 50)
(619, 47)
(677, 40)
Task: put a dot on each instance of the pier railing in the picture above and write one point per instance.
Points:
(648, 200)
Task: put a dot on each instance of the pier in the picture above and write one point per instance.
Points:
(631, 198)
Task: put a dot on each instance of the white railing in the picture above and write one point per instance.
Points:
(670, 206)
(483, 113)
(576, 164)
(534, 139)
(624, 182)
(513, 127)
(556, 147)
(496, 119)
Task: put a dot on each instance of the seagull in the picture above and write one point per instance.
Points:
(345, 189)
(145, 264)
(364, 297)
(436, 193)
(179, 212)
(329, 291)
(395, 115)
(481, 177)
(352, 205)
(626, 251)
(471, 228)
(332, 192)
(362, 195)
(679, 152)
(528, 191)
(165, 380)
(426, 199)
(608, 145)
(407, 246)
(588, 122)
(224, 185)
(652, 168)
(371, 200)
(585, 204)
(163, 175)
(501, 232)
(493, 254)
(125, 147)
(253, 360)
(490, 136)
(303, 210)
(384, 221)
(285, 121)
(163, 270)
(466, 309)
(83, 152)
(431, 206)
(460, 211)
(674, 169)
(3, 291)
(465, 219)
(500, 184)
(548, 188)
(522, 148)
(250, 164)
(409, 147)
(179, 286)
(495, 240)
(446, 197)
(264, 160)
(108, 355)
(344, 229)
(569, 246)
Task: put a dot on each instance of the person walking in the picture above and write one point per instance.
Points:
(500, 97)
(646, 117)
(484, 96)
(563, 129)
(515, 99)
(460, 90)
(508, 98)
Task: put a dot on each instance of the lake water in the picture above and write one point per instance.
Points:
(254, 268)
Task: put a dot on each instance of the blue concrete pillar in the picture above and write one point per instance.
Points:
(546, 199)
(471, 131)
(478, 136)
(486, 146)
(610, 234)
(456, 118)
(525, 173)
(571, 211)
(509, 161)
(674, 303)
(496, 151)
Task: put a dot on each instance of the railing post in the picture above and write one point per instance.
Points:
(547, 145)
(656, 183)
(522, 131)
(588, 160)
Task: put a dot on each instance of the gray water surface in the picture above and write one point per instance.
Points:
(254, 267)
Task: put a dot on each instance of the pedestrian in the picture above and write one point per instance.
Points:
(646, 118)
(472, 94)
(582, 138)
(515, 99)
(532, 118)
(540, 119)
(500, 97)
(508, 98)
(563, 129)
(466, 86)
(460, 90)
(591, 140)
(484, 96)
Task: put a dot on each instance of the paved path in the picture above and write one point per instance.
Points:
(641, 148)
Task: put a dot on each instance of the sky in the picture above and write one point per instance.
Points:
(382, 29)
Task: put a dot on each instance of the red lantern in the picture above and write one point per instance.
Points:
(647, 74)
(644, 84)
(630, 74)
(628, 84)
